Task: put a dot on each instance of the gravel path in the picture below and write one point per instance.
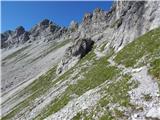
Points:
(147, 86)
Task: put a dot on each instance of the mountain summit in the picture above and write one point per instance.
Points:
(105, 68)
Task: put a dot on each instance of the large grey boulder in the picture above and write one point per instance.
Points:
(82, 47)
(75, 52)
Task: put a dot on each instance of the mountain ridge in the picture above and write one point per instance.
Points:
(105, 68)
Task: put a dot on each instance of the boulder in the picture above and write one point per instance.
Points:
(74, 53)
(154, 113)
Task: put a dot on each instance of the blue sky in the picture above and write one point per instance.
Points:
(30, 13)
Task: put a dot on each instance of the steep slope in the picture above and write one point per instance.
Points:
(23, 58)
(96, 88)
(110, 70)
(120, 26)
(22, 63)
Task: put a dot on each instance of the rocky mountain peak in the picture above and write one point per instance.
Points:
(11, 38)
(44, 22)
(6, 34)
(106, 67)
(122, 7)
(19, 30)
(99, 15)
(73, 26)
(45, 30)
(122, 24)
(47, 23)
(97, 10)
(87, 18)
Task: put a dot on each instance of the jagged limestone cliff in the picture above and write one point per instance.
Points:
(105, 68)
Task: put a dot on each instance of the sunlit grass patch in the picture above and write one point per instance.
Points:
(147, 44)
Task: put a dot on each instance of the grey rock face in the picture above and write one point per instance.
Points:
(133, 19)
(45, 23)
(121, 25)
(108, 31)
(25, 37)
(93, 22)
(46, 30)
(126, 20)
(11, 38)
(87, 18)
(78, 50)
(82, 47)
(73, 26)
(99, 15)
(19, 31)
(4, 37)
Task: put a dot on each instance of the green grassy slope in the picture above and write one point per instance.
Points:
(95, 74)
(142, 51)
(147, 46)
